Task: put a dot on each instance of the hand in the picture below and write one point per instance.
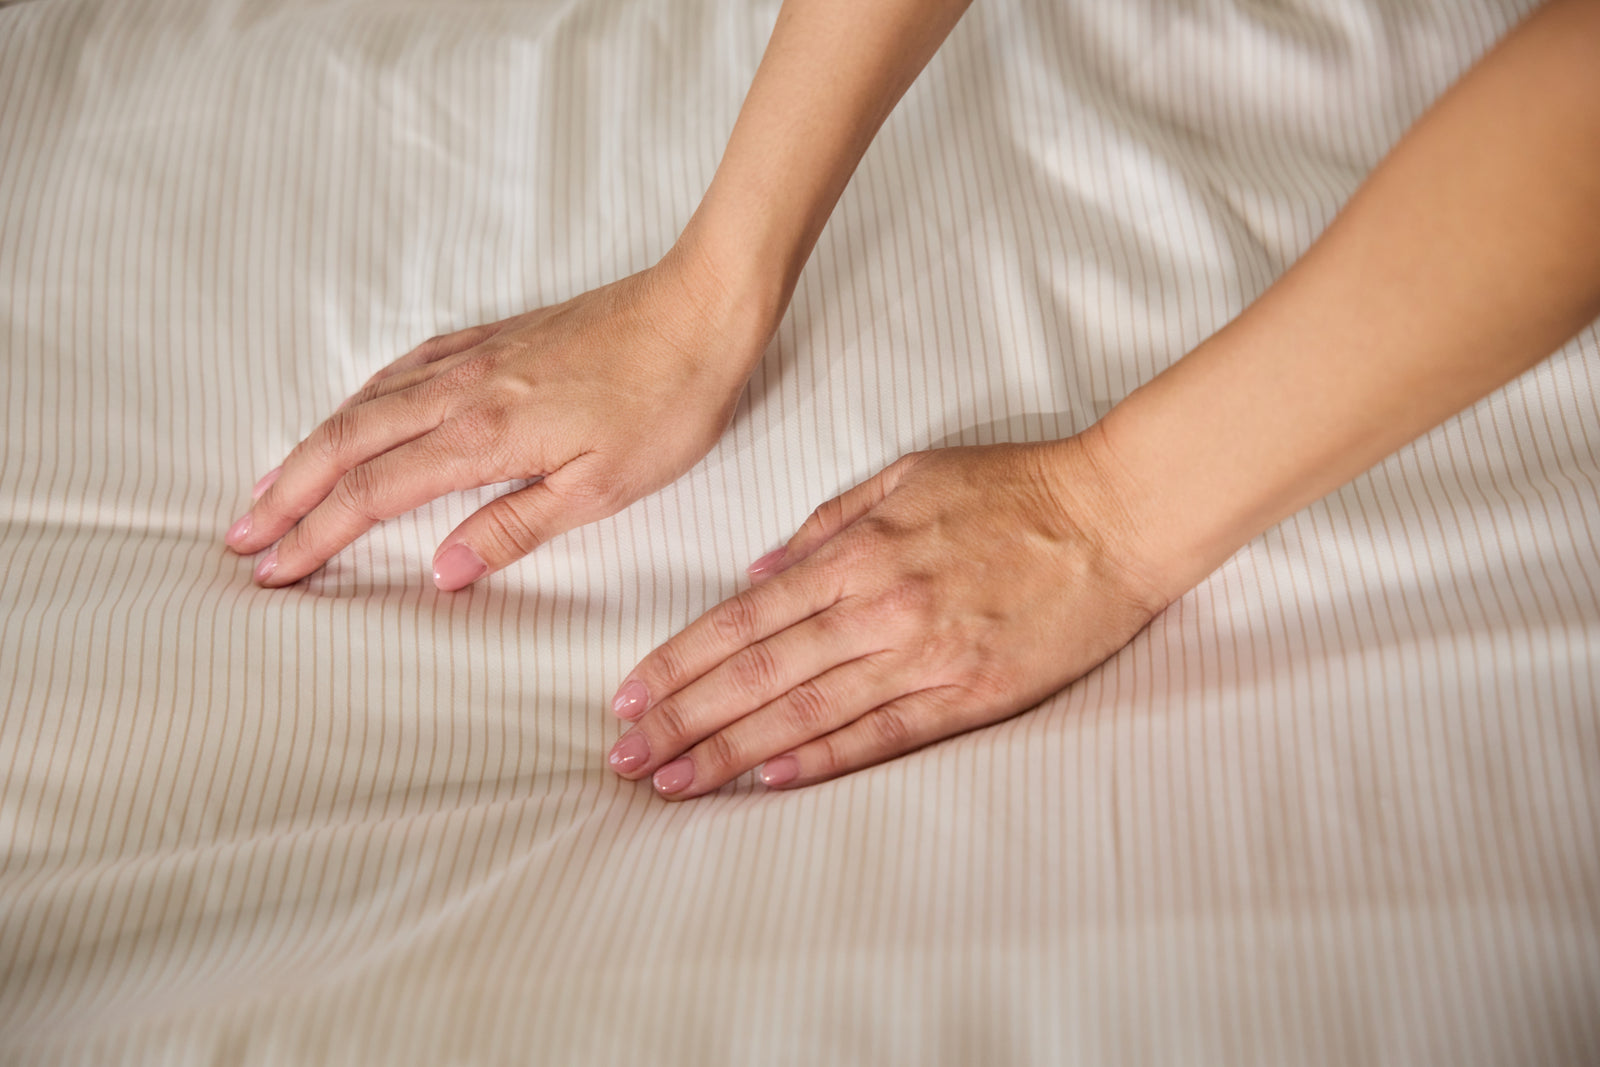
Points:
(606, 398)
(952, 590)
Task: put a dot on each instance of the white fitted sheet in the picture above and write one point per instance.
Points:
(1338, 804)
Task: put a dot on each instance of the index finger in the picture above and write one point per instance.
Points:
(738, 622)
(344, 441)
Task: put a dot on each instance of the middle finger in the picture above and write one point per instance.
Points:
(382, 488)
(343, 442)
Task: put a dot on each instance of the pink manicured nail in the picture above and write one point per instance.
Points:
(629, 752)
(630, 701)
(457, 566)
(268, 564)
(766, 564)
(239, 530)
(265, 483)
(780, 771)
(675, 776)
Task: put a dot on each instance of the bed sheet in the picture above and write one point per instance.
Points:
(1337, 804)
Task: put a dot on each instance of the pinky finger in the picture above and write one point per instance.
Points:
(832, 516)
(392, 382)
(431, 351)
(903, 725)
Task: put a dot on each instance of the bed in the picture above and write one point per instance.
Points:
(1338, 804)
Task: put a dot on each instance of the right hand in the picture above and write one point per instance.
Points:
(605, 398)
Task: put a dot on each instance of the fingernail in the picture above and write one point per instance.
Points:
(265, 483)
(675, 776)
(630, 701)
(457, 566)
(766, 564)
(629, 752)
(268, 564)
(239, 530)
(780, 771)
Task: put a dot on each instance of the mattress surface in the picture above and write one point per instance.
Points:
(1337, 804)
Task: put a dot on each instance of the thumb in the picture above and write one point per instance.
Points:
(509, 527)
(834, 515)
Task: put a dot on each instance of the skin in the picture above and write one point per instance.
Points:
(960, 586)
(555, 394)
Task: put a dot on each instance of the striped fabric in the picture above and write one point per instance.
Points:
(1338, 804)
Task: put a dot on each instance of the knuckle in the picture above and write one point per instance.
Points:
(907, 461)
(754, 672)
(507, 528)
(809, 708)
(891, 729)
(736, 619)
(988, 682)
(335, 437)
(363, 395)
(981, 670)
(356, 493)
(670, 722)
(670, 667)
(827, 514)
(828, 758)
(718, 756)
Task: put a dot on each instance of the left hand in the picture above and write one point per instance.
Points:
(952, 590)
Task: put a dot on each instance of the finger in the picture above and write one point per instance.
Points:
(344, 441)
(812, 709)
(832, 516)
(509, 527)
(746, 681)
(893, 729)
(388, 485)
(437, 348)
(394, 383)
(741, 620)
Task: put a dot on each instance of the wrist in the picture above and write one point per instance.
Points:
(1089, 492)
(1185, 504)
(729, 305)
(750, 250)
(1166, 523)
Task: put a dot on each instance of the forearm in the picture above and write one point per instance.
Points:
(832, 72)
(1471, 253)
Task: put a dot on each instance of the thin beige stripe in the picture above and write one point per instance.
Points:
(1337, 802)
